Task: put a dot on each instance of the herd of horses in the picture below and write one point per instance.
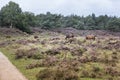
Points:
(71, 36)
(88, 37)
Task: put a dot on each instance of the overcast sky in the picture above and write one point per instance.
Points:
(67, 7)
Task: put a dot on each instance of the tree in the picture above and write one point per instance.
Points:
(102, 21)
(39, 19)
(0, 19)
(29, 19)
(21, 24)
(90, 23)
(114, 25)
(49, 21)
(10, 13)
(74, 21)
(12, 16)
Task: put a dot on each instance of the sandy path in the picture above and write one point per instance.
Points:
(8, 71)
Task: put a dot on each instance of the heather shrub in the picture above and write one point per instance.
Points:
(78, 51)
(83, 59)
(58, 73)
(112, 71)
(92, 71)
(49, 61)
(8, 36)
(38, 56)
(36, 37)
(65, 69)
(52, 52)
(20, 53)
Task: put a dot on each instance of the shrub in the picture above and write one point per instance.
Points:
(20, 53)
(93, 58)
(49, 61)
(84, 59)
(36, 37)
(8, 36)
(84, 73)
(38, 56)
(112, 71)
(52, 52)
(78, 51)
(57, 73)
(65, 69)
(43, 42)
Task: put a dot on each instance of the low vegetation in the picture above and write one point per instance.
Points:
(57, 56)
(56, 47)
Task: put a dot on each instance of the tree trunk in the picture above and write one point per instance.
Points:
(11, 25)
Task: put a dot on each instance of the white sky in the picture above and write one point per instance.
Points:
(67, 7)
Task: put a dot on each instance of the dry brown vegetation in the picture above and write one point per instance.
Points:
(72, 57)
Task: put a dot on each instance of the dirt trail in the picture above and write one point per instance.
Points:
(8, 71)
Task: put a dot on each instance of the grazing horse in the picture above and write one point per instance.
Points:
(90, 37)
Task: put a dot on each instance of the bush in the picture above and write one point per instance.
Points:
(52, 52)
(84, 59)
(112, 71)
(23, 28)
(20, 53)
(36, 37)
(8, 36)
(57, 73)
(49, 61)
(78, 51)
(38, 56)
(64, 70)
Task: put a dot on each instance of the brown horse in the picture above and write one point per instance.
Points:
(90, 37)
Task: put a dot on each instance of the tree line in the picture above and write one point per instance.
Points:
(11, 15)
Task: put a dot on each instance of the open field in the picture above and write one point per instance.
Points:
(47, 55)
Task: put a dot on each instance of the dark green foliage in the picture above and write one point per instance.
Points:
(22, 27)
(49, 21)
(91, 22)
(11, 15)
(29, 19)
(0, 19)
(114, 25)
